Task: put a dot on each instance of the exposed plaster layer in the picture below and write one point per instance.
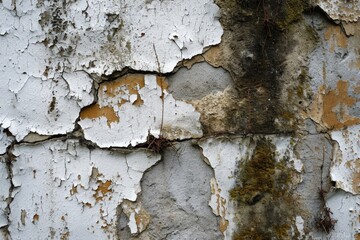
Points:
(134, 106)
(64, 190)
(4, 192)
(176, 193)
(198, 81)
(227, 157)
(46, 107)
(334, 70)
(5, 140)
(346, 166)
(348, 10)
(346, 209)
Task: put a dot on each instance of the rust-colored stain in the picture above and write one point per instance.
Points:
(102, 189)
(129, 84)
(335, 106)
(35, 218)
(336, 36)
(95, 111)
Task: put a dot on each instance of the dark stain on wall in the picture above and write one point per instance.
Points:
(257, 39)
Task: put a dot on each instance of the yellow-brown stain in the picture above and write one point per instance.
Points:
(355, 64)
(65, 235)
(162, 82)
(102, 189)
(357, 90)
(356, 175)
(142, 220)
(335, 35)
(95, 111)
(131, 83)
(35, 218)
(213, 56)
(357, 236)
(223, 225)
(73, 190)
(335, 106)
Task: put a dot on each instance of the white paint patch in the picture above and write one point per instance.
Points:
(345, 170)
(135, 122)
(299, 222)
(68, 191)
(346, 210)
(224, 156)
(348, 11)
(4, 192)
(46, 107)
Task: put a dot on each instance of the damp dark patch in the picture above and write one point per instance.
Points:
(259, 43)
(264, 204)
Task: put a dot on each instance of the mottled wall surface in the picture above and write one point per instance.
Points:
(161, 119)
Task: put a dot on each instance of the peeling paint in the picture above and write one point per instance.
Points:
(157, 113)
(348, 11)
(49, 112)
(345, 170)
(346, 209)
(331, 107)
(75, 192)
(139, 219)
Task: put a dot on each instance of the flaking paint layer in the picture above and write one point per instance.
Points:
(137, 106)
(74, 191)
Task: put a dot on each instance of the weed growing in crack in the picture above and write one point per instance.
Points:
(324, 222)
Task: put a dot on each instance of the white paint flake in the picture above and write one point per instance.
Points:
(346, 210)
(117, 120)
(348, 10)
(64, 190)
(4, 192)
(46, 107)
(345, 170)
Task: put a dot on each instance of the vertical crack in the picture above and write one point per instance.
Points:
(9, 158)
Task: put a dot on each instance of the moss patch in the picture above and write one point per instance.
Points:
(265, 207)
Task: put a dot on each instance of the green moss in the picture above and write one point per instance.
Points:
(291, 11)
(257, 174)
(262, 196)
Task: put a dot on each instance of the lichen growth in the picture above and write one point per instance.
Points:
(262, 196)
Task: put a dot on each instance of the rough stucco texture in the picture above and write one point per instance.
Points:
(161, 119)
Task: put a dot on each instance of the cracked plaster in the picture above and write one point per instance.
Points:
(57, 183)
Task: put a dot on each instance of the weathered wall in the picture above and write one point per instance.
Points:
(163, 119)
